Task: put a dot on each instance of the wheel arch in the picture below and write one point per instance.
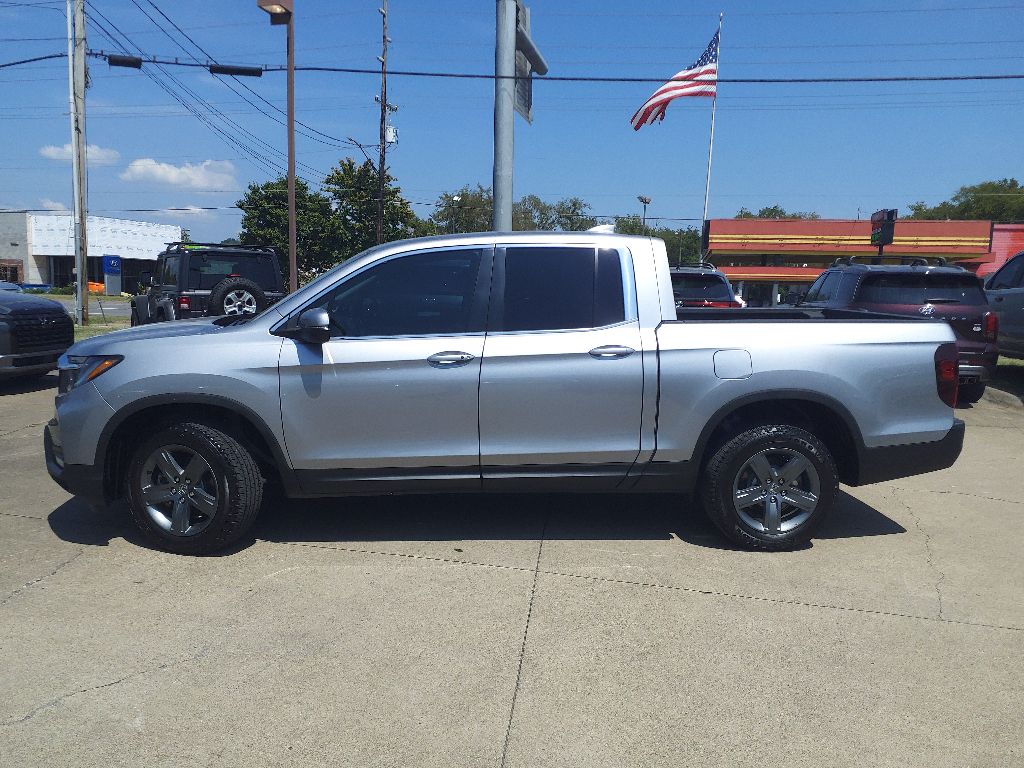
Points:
(135, 421)
(825, 417)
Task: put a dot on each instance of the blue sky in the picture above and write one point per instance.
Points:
(831, 148)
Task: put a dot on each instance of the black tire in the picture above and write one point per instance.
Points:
(770, 520)
(236, 296)
(227, 474)
(970, 393)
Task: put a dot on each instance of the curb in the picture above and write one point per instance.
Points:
(1004, 399)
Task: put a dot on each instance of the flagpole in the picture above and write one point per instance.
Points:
(711, 142)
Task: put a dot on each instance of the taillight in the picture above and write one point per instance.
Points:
(991, 325)
(947, 373)
(184, 303)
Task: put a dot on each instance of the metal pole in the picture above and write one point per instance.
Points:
(381, 167)
(711, 142)
(504, 102)
(292, 230)
(78, 161)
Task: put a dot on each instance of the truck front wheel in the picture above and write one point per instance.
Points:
(770, 487)
(193, 489)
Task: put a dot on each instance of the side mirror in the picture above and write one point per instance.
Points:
(314, 326)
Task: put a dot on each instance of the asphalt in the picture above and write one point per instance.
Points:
(99, 306)
(518, 630)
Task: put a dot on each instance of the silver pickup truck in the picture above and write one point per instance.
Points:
(527, 362)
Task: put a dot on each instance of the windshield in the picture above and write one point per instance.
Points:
(698, 286)
(902, 288)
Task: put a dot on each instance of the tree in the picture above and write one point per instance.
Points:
(681, 245)
(1001, 200)
(567, 215)
(265, 222)
(776, 212)
(464, 210)
(354, 190)
(230, 241)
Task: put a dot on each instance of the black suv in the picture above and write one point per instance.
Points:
(200, 279)
(702, 285)
(34, 332)
(923, 288)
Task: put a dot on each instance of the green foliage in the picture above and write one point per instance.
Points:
(464, 210)
(775, 212)
(318, 232)
(1001, 201)
(681, 245)
(354, 190)
(531, 213)
(64, 290)
(186, 236)
(230, 241)
(471, 210)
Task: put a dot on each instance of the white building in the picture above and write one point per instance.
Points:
(40, 247)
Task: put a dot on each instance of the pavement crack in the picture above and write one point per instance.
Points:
(21, 429)
(714, 593)
(140, 673)
(929, 549)
(964, 493)
(526, 633)
(32, 583)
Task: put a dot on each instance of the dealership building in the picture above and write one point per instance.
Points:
(40, 247)
(766, 259)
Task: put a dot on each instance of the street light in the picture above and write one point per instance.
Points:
(281, 13)
(645, 201)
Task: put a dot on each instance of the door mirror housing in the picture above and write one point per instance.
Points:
(314, 326)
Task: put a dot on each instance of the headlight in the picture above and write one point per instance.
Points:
(83, 368)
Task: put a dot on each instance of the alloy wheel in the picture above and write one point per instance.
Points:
(179, 490)
(776, 490)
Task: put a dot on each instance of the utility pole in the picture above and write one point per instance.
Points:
(516, 59)
(383, 99)
(76, 77)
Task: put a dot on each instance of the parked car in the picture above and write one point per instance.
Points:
(922, 288)
(206, 279)
(1005, 292)
(702, 286)
(531, 362)
(34, 333)
(12, 287)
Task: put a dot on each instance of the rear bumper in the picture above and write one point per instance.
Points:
(83, 480)
(894, 461)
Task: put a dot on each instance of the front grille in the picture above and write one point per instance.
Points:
(36, 333)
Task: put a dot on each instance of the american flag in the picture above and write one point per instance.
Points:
(698, 80)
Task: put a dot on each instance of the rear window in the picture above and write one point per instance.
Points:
(920, 289)
(698, 286)
(208, 269)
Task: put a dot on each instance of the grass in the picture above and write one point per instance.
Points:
(97, 328)
(1009, 377)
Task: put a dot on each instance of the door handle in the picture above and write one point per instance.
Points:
(611, 352)
(449, 359)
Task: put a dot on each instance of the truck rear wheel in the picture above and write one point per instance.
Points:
(193, 489)
(770, 487)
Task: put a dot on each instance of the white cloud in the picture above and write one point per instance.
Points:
(97, 155)
(207, 175)
(52, 205)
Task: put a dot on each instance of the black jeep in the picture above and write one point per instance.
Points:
(207, 279)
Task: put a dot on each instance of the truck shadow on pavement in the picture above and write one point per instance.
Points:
(508, 517)
(21, 386)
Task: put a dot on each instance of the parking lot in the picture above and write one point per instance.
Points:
(518, 630)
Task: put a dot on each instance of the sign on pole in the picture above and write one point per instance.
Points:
(883, 225)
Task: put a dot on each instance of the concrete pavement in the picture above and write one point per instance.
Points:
(518, 630)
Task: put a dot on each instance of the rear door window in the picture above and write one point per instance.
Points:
(824, 288)
(1011, 275)
(170, 271)
(920, 289)
(561, 288)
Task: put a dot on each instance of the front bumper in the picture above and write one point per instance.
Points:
(83, 480)
(28, 363)
(894, 461)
